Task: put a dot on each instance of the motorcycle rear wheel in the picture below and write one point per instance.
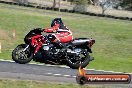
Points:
(20, 56)
(75, 65)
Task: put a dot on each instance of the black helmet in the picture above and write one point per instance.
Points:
(56, 20)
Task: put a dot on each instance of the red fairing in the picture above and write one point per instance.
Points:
(36, 42)
(34, 39)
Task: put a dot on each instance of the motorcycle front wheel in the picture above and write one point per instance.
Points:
(21, 56)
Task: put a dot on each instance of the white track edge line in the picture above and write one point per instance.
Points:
(67, 75)
(57, 74)
(61, 75)
(65, 66)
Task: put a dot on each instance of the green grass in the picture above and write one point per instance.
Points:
(113, 47)
(34, 84)
(39, 84)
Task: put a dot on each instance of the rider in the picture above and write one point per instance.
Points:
(63, 34)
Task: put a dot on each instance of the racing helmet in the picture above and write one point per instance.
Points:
(56, 21)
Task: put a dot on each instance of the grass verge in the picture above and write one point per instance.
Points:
(34, 84)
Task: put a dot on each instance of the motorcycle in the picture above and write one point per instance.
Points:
(39, 48)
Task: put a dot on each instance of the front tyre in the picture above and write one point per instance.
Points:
(21, 56)
(83, 60)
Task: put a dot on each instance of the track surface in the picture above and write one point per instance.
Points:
(49, 73)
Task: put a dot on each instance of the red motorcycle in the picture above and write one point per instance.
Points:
(39, 48)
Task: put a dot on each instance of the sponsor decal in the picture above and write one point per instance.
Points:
(83, 78)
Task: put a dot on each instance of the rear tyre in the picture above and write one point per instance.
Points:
(20, 56)
(83, 62)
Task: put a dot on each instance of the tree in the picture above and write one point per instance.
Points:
(59, 4)
(126, 4)
(54, 4)
(105, 4)
(80, 5)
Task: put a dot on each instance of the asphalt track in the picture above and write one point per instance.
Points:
(48, 73)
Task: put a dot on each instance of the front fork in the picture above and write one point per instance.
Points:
(37, 47)
(25, 48)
